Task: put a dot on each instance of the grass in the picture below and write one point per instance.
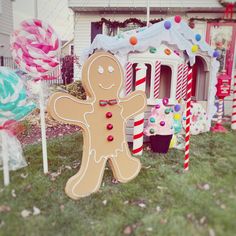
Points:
(162, 200)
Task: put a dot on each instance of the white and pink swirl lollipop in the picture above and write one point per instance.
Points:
(35, 49)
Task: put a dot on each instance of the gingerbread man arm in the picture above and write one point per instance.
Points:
(68, 109)
(133, 104)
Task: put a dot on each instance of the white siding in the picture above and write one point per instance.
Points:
(6, 17)
(142, 3)
(6, 27)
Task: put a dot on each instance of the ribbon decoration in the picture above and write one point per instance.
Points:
(229, 10)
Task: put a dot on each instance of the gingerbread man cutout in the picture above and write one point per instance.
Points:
(102, 118)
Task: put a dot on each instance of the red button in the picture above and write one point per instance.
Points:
(109, 126)
(110, 138)
(108, 115)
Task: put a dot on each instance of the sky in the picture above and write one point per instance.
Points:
(54, 12)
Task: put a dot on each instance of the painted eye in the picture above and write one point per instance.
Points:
(110, 69)
(100, 70)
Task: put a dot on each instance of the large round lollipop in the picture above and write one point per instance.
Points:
(35, 47)
(13, 100)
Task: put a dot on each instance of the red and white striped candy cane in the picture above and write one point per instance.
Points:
(129, 78)
(233, 119)
(188, 122)
(157, 79)
(184, 81)
(179, 81)
(220, 111)
(140, 84)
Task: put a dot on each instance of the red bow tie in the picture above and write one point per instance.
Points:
(111, 102)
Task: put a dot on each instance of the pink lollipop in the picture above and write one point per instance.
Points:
(35, 48)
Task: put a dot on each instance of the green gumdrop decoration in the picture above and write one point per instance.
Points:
(152, 120)
(152, 131)
(152, 50)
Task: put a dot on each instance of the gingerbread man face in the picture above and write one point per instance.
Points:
(102, 118)
(102, 75)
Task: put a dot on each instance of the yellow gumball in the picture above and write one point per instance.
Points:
(177, 116)
(173, 142)
(194, 48)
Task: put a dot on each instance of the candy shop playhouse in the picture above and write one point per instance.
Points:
(165, 52)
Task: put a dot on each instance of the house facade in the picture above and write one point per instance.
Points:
(6, 27)
(111, 17)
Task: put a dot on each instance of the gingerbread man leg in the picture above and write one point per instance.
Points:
(88, 179)
(124, 166)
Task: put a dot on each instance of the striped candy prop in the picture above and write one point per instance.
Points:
(129, 78)
(184, 81)
(179, 81)
(157, 79)
(35, 49)
(13, 107)
(140, 84)
(13, 97)
(188, 122)
(220, 111)
(233, 119)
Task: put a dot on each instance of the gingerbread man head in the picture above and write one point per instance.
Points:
(102, 75)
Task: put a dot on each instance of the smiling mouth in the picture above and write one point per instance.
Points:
(100, 85)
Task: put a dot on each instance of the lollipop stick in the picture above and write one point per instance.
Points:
(43, 129)
(5, 160)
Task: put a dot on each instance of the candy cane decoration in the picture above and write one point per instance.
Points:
(188, 122)
(129, 78)
(179, 81)
(233, 119)
(140, 84)
(184, 81)
(157, 79)
(220, 111)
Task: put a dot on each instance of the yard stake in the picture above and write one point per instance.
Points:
(188, 121)
(5, 160)
(140, 84)
(233, 122)
(129, 78)
(43, 128)
(157, 79)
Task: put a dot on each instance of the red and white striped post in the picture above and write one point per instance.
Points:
(233, 119)
(179, 82)
(157, 79)
(184, 81)
(188, 121)
(129, 78)
(140, 84)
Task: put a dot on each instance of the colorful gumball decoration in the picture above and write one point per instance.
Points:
(167, 24)
(133, 40)
(178, 19)
(35, 49)
(198, 37)
(194, 48)
(14, 106)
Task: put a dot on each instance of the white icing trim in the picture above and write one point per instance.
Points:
(106, 88)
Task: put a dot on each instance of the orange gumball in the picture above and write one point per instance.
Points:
(133, 40)
(167, 51)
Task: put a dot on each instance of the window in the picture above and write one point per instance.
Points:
(165, 82)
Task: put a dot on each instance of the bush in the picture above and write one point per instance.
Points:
(76, 89)
(67, 69)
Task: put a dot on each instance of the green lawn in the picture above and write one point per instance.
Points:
(162, 200)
